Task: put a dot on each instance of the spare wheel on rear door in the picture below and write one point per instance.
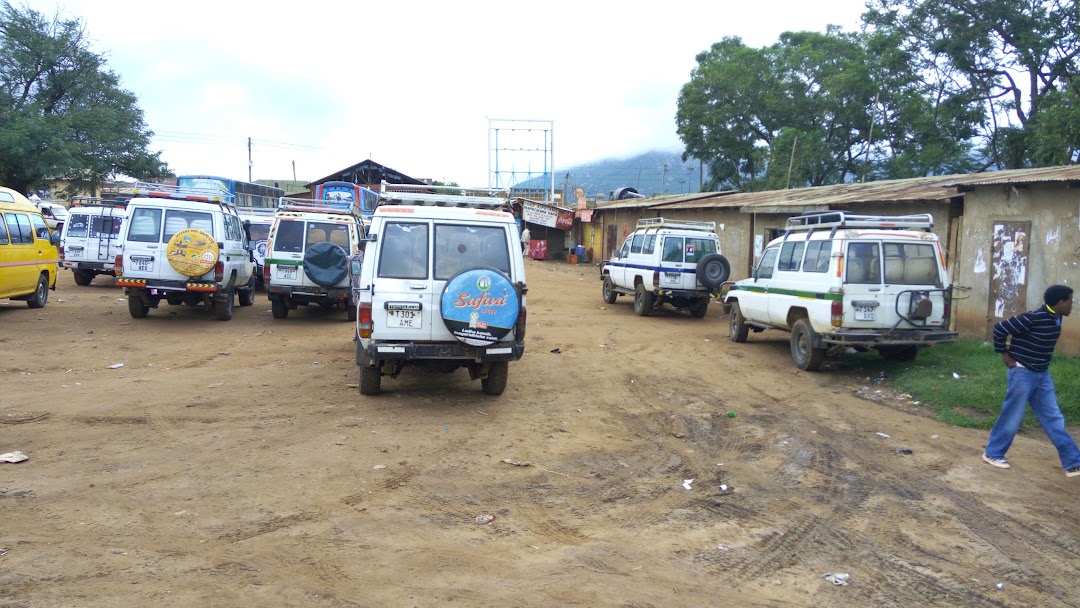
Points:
(712, 270)
(192, 252)
(326, 264)
(480, 306)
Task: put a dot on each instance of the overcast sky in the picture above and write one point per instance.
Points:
(417, 85)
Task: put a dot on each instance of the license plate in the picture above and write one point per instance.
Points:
(671, 277)
(865, 313)
(286, 272)
(143, 265)
(404, 318)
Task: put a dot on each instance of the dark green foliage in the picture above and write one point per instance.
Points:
(63, 113)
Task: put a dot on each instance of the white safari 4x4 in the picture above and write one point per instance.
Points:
(442, 284)
(307, 255)
(667, 261)
(837, 280)
(90, 239)
(184, 246)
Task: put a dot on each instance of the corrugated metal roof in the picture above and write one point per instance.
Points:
(919, 189)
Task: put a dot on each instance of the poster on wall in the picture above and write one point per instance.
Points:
(546, 215)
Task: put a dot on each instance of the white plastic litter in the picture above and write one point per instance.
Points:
(838, 578)
(116, 366)
(15, 456)
(883, 435)
(686, 484)
(956, 375)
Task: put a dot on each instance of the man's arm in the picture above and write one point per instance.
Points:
(1013, 326)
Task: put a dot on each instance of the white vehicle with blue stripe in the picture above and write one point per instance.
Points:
(667, 261)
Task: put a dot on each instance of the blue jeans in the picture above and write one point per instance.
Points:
(1027, 386)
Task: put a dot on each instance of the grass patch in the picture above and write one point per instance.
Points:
(974, 399)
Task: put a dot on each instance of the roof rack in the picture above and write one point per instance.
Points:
(94, 201)
(412, 194)
(659, 222)
(268, 211)
(208, 195)
(320, 206)
(812, 220)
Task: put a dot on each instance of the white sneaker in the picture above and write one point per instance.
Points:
(1000, 463)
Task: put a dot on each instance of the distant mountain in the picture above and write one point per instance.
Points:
(645, 172)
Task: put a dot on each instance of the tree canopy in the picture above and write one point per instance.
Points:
(63, 114)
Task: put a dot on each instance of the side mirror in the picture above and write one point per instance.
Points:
(54, 238)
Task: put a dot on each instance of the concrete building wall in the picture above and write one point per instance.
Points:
(1051, 249)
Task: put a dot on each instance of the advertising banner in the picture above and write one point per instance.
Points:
(546, 215)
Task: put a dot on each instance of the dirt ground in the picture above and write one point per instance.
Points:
(635, 462)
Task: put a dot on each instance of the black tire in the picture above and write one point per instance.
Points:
(246, 295)
(899, 354)
(41, 293)
(278, 308)
(610, 295)
(137, 308)
(83, 277)
(643, 301)
(737, 327)
(495, 383)
(350, 310)
(699, 310)
(370, 377)
(223, 307)
(803, 353)
(326, 264)
(712, 270)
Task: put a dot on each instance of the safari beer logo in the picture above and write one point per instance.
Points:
(479, 306)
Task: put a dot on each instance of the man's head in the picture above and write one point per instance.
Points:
(1059, 298)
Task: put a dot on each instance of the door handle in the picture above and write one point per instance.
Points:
(416, 286)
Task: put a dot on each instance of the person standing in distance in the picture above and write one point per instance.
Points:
(1026, 343)
(525, 239)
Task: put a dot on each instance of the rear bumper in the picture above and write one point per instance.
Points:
(898, 337)
(164, 285)
(684, 293)
(311, 294)
(94, 266)
(390, 351)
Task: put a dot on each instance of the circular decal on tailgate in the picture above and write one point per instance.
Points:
(479, 306)
(192, 252)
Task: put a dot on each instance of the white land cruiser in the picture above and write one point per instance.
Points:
(667, 261)
(184, 246)
(307, 255)
(257, 222)
(837, 280)
(90, 239)
(441, 284)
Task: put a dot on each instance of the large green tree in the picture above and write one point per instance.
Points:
(1017, 61)
(63, 114)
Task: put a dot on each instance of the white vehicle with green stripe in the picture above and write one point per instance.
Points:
(837, 280)
(666, 261)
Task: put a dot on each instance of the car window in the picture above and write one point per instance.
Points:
(289, 237)
(697, 248)
(765, 267)
(460, 247)
(179, 219)
(3, 232)
(635, 246)
(259, 232)
(41, 229)
(232, 228)
(625, 251)
(650, 244)
(104, 226)
(145, 225)
(78, 225)
(817, 256)
(328, 232)
(790, 256)
(863, 263)
(19, 226)
(403, 252)
(673, 249)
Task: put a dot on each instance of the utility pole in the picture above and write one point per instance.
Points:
(249, 159)
(690, 180)
(294, 170)
(663, 180)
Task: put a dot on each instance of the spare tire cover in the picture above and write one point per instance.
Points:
(326, 264)
(712, 270)
(192, 252)
(480, 306)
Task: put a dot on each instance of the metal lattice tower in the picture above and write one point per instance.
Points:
(519, 150)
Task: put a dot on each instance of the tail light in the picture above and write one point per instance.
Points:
(119, 263)
(519, 327)
(837, 313)
(219, 272)
(363, 317)
(946, 311)
(266, 273)
(656, 279)
(60, 249)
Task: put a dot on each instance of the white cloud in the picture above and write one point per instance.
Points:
(412, 85)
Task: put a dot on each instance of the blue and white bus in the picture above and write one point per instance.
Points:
(346, 192)
(245, 194)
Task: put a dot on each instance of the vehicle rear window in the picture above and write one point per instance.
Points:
(78, 225)
(863, 263)
(289, 236)
(328, 232)
(145, 225)
(403, 251)
(178, 219)
(673, 249)
(460, 248)
(698, 248)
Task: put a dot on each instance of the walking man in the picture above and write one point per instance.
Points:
(1031, 338)
(525, 239)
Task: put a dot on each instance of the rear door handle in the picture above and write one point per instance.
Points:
(418, 286)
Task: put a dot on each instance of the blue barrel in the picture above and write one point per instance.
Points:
(580, 251)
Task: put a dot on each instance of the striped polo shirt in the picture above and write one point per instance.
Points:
(1034, 335)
